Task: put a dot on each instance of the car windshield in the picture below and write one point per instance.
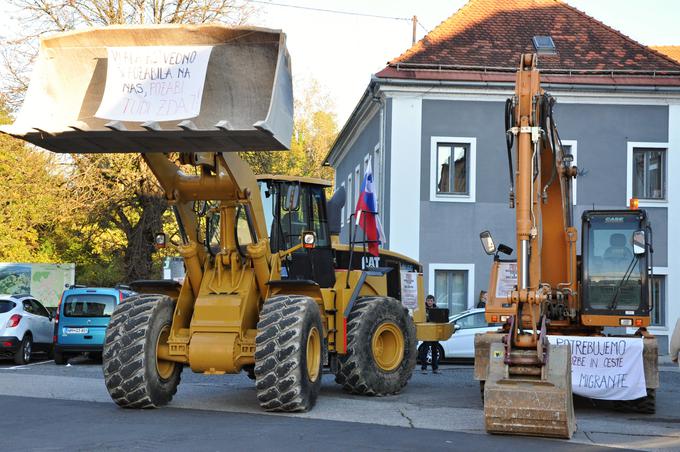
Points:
(6, 306)
(89, 305)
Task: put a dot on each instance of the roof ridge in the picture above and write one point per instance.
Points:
(620, 33)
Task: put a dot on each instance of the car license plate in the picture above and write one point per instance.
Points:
(75, 330)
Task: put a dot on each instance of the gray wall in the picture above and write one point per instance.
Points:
(364, 144)
(450, 231)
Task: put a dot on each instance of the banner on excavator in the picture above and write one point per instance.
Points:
(606, 368)
(154, 83)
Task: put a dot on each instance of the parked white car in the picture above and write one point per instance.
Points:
(462, 343)
(26, 327)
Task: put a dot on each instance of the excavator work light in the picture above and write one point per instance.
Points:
(634, 204)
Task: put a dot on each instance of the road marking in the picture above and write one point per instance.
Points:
(26, 365)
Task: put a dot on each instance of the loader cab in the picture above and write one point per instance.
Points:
(293, 206)
(615, 256)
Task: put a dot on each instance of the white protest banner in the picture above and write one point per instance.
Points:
(154, 83)
(607, 368)
(506, 279)
(409, 289)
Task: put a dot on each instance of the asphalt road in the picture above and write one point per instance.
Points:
(49, 407)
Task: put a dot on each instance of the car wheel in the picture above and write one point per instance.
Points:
(442, 356)
(25, 351)
(428, 358)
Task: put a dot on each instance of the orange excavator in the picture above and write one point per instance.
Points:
(549, 289)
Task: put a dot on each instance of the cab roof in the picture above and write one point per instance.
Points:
(304, 180)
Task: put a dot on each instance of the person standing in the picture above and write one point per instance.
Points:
(431, 346)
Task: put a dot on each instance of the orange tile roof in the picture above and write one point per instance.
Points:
(490, 35)
(671, 51)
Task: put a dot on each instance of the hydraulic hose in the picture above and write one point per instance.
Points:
(509, 140)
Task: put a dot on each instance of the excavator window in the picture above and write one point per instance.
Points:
(614, 276)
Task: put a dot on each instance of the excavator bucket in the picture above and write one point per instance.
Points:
(159, 88)
(539, 406)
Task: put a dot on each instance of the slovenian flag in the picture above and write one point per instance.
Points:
(366, 213)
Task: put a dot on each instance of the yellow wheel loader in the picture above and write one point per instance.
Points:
(269, 289)
(548, 289)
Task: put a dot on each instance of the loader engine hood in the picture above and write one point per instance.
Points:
(159, 88)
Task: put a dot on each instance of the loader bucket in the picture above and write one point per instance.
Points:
(525, 406)
(159, 88)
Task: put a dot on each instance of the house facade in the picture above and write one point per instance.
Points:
(432, 125)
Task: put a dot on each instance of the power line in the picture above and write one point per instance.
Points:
(334, 11)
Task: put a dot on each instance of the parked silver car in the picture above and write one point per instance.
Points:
(462, 343)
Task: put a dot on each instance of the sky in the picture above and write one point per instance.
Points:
(341, 51)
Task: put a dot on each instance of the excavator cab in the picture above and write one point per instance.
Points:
(295, 207)
(615, 254)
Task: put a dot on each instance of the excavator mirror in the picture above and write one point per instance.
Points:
(487, 242)
(639, 242)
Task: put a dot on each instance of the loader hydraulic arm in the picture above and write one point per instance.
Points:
(225, 178)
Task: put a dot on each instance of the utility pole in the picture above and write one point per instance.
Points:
(414, 20)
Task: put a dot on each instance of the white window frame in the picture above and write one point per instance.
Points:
(470, 268)
(472, 177)
(662, 271)
(573, 144)
(349, 196)
(357, 186)
(377, 176)
(631, 145)
(342, 211)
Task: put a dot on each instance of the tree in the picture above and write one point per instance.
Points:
(119, 195)
(314, 130)
(33, 214)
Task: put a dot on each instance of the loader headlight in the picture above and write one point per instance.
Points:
(626, 322)
(308, 239)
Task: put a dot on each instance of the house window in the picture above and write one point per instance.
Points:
(646, 173)
(342, 214)
(376, 174)
(357, 186)
(453, 163)
(570, 147)
(349, 197)
(659, 309)
(452, 285)
(649, 173)
(450, 290)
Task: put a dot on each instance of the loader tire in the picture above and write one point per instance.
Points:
(381, 348)
(133, 375)
(288, 353)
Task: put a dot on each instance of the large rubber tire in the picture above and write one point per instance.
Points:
(131, 371)
(25, 351)
(359, 373)
(287, 377)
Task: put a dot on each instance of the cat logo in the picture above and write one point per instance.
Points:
(370, 261)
